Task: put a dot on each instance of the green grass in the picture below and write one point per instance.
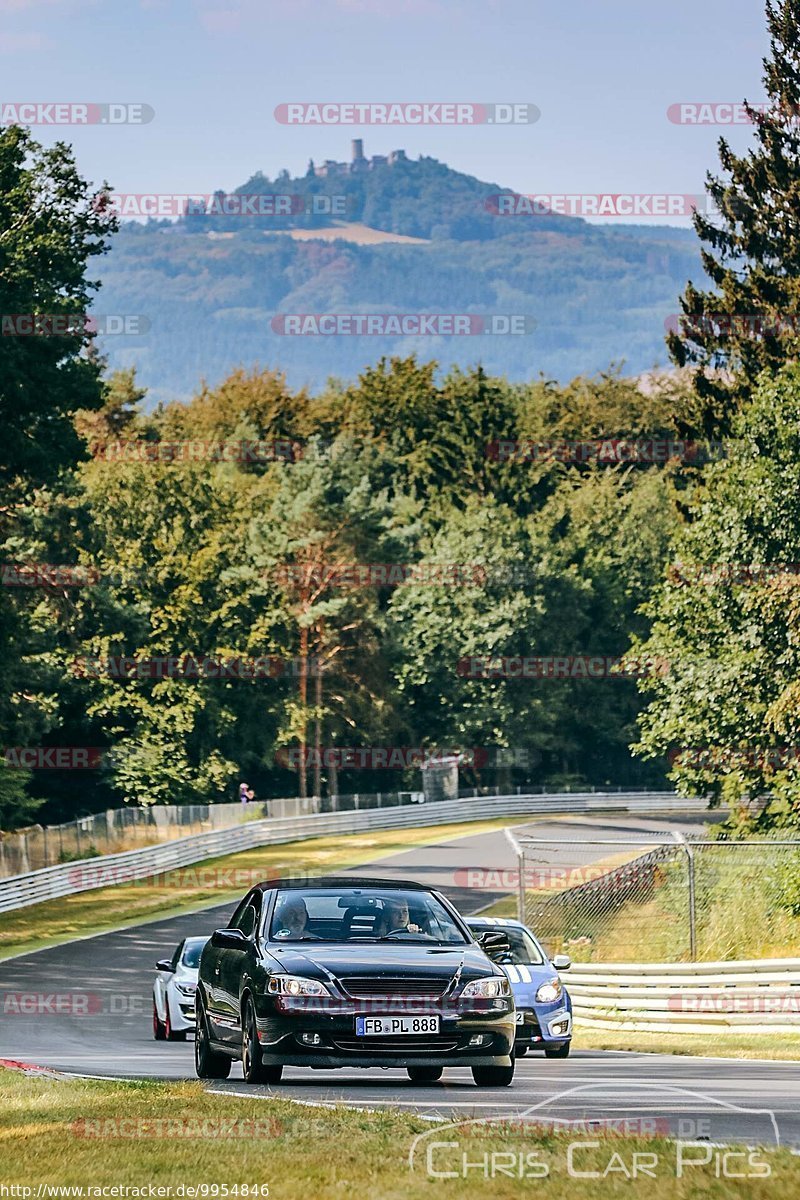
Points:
(772, 1046)
(303, 1152)
(189, 889)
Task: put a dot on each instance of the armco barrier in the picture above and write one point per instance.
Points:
(748, 997)
(50, 883)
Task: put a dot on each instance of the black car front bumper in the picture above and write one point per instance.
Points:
(466, 1037)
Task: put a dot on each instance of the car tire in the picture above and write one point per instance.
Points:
(424, 1074)
(173, 1035)
(159, 1030)
(557, 1051)
(493, 1076)
(208, 1064)
(253, 1069)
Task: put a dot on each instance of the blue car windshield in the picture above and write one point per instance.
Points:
(523, 947)
(362, 915)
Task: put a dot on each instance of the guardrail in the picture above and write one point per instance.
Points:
(51, 883)
(754, 996)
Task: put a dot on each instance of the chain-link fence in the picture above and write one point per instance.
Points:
(120, 829)
(662, 898)
(114, 830)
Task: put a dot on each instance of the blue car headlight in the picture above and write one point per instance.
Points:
(549, 992)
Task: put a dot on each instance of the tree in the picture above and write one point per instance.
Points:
(51, 224)
(326, 514)
(726, 622)
(751, 248)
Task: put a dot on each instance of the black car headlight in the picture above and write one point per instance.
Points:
(295, 985)
(489, 988)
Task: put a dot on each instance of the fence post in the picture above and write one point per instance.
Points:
(682, 842)
(520, 856)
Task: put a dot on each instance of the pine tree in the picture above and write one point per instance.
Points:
(751, 252)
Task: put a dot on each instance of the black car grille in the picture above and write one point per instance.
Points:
(364, 988)
(404, 1045)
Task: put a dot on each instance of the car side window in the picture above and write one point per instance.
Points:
(247, 919)
(176, 958)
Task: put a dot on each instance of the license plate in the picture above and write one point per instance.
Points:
(520, 1017)
(395, 1026)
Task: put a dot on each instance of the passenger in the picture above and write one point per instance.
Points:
(292, 918)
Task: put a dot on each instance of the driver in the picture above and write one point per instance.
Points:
(292, 918)
(396, 918)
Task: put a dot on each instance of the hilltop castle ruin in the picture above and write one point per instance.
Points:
(358, 161)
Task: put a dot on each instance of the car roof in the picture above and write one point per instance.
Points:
(350, 883)
(191, 941)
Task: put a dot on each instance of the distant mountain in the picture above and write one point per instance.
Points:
(212, 283)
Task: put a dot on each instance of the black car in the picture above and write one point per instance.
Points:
(352, 973)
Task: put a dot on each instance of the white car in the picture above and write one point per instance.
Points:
(173, 991)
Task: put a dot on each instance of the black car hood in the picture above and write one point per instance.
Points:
(389, 959)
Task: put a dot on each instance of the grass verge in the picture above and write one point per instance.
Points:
(84, 1135)
(212, 881)
(772, 1046)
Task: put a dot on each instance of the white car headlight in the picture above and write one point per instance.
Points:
(489, 988)
(186, 988)
(295, 985)
(550, 991)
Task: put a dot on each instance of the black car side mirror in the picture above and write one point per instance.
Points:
(165, 964)
(493, 942)
(228, 939)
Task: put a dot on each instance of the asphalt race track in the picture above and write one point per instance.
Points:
(715, 1099)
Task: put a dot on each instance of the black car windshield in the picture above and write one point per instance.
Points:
(192, 951)
(344, 914)
(523, 947)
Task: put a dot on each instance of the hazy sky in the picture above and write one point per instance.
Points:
(602, 74)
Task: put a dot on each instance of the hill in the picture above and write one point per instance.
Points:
(211, 285)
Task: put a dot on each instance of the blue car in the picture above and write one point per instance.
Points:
(544, 1008)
